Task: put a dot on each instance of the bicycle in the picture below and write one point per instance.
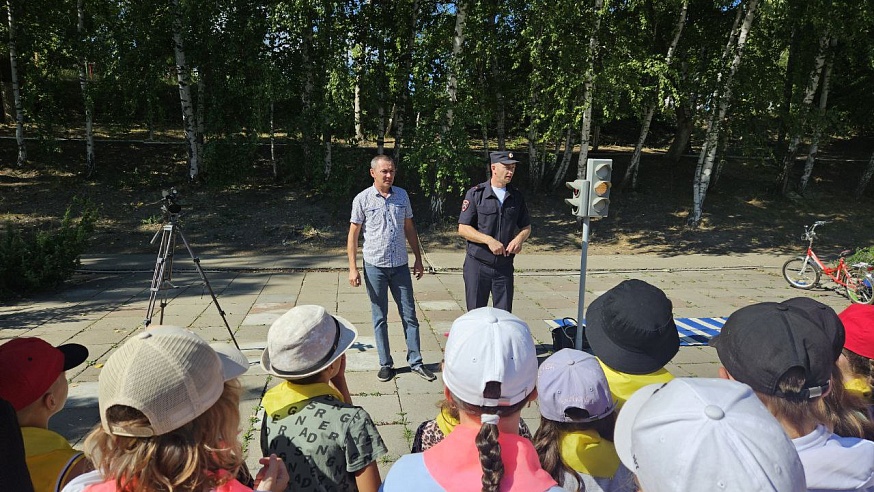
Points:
(806, 271)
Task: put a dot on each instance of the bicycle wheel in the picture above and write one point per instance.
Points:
(859, 286)
(801, 273)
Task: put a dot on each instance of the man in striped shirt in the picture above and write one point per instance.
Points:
(383, 212)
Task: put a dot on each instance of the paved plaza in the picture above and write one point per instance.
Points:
(108, 303)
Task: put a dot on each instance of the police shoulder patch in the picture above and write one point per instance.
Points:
(464, 205)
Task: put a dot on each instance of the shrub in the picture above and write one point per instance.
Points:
(865, 255)
(36, 261)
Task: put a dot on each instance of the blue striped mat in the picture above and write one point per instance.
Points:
(693, 331)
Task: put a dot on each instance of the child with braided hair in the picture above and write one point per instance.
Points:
(490, 373)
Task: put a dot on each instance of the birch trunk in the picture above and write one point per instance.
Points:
(380, 135)
(306, 96)
(866, 177)
(708, 152)
(500, 110)
(326, 141)
(587, 128)
(588, 93)
(565, 160)
(90, 165)
(405, 86)
(485, 129)
(788, 86)
(820, 120)
(16, 89)
(200, 130)
(457, 43)
(383, 83)
(631, 173)
(533, 160)
(723, 144)
(438, 195)
(8, 106)
(273, 141)
(630, 178)
(714, 100)
(183, 80)
(685, 126)
(809, 91)
(391, 119)
(359, 67)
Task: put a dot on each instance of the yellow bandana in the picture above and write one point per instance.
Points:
(623, 385)
(445, 422)
(279, 398)
(586, 452)
(859, 387)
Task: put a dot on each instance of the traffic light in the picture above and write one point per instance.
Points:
(580, 200)
(598, 172)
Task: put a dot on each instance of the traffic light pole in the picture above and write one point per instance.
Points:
(578, 339)
(591, 198)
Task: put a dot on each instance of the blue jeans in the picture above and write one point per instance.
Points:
(378, 281)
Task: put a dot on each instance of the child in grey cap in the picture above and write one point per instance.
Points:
(575, 437)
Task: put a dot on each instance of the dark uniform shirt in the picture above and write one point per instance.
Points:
(482, 210)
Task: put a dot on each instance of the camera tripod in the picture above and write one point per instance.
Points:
(163, 274)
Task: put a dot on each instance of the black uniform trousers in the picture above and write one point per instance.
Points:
(482, 279)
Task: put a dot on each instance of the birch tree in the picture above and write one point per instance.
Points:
(90, 164)
(866, 177)
(809, 92)
(820, 120)
(708, 151)
(16, 86)
(630, 178)
(184, 83)
(588, 91)
(404, 84)
(457, 43)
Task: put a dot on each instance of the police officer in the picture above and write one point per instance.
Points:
(494, 219)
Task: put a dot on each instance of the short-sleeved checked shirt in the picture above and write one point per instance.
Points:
(382, 220)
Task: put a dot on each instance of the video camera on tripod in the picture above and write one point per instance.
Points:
(169, 202)
(163, 275)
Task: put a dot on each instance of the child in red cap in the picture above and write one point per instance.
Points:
(33, 379)
(857, 360)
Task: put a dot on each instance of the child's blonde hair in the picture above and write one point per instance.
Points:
(200, 455)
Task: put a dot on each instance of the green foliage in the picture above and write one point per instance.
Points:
(36, 261)
(862, 255)
(230, 159)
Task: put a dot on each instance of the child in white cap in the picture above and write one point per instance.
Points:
(169, 413)
(490, 372)
(701, 434)
(575, 437)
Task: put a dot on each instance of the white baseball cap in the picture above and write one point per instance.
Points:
(169, 374)
(696, 434)
(485, 345)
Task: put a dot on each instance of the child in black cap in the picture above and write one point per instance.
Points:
(632, 332)
(787, 359)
